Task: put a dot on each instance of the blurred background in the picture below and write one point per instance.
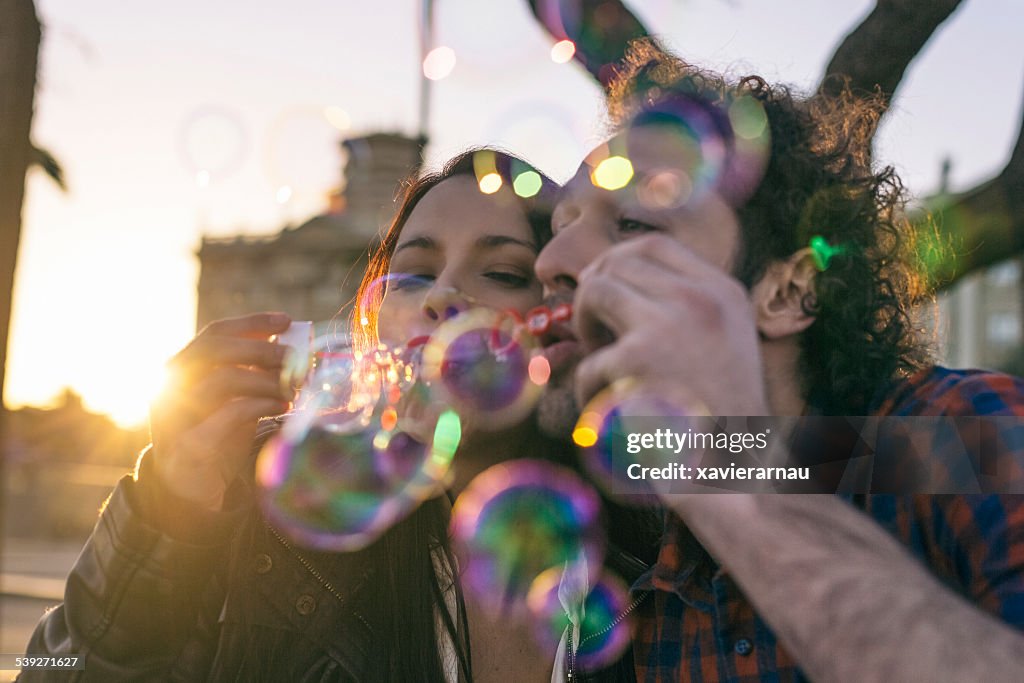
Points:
(190, 161)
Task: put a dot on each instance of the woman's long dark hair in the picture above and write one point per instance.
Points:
(408, 586)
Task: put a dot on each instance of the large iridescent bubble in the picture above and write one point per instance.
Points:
(479, 363)
(604, 427)
(706, 147)
(594, 624)
(365, 448)
(519, 519)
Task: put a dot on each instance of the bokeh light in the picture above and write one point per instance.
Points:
(539, 370)
(337, 117)
(612, 173)
(490, 183)
(527, 184)
(563, 51)
(439, 63)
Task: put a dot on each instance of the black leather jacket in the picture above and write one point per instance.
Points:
(233, 602)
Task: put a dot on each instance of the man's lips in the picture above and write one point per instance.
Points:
(561, 348)
(562, 355)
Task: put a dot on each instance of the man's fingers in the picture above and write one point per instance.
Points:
(255, 325)
(601, 368)
(606, 308)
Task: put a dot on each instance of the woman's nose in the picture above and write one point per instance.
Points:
(443, 303)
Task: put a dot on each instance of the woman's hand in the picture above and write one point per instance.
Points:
(204, 422)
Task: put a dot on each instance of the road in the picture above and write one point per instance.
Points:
(32, 576)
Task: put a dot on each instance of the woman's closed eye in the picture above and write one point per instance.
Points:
(411, 281)
(631, 226)
(510, 279)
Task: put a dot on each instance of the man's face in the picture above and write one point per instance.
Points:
(659, 197)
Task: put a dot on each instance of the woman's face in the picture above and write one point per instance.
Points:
(461, 248)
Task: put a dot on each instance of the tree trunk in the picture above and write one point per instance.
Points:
(19, 48)
(19, 53)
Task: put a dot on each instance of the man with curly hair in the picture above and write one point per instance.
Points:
(781, 284)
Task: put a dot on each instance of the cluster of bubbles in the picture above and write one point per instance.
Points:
(363, 449)
(374, 433)
(530, 534)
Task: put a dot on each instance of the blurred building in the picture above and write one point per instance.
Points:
(61, 464)
(311, 271)
(982, 318)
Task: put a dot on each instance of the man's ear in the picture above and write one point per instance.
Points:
(778, 296)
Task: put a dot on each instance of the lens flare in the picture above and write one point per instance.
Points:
(563, 51)
(612, 173)
(539, 370)
(439, 63)
(518, 519)
(490, 183)
(527, 184)
(337, 117)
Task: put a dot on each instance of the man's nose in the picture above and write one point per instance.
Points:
(562, 259)
(443, 302)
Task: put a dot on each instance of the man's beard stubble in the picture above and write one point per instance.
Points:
(557, 411)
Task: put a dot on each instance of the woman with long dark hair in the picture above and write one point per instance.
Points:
(183, 578)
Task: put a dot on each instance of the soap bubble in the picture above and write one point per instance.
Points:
(518, 519)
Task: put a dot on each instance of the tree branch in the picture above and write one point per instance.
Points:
(601, 30)
(876, 54)
(980, 227)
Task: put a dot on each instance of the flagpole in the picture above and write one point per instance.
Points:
(426, 45)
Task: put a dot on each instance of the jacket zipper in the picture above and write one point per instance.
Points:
(571, 653)
(316, 575)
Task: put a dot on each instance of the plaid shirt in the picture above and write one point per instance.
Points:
(697, 626)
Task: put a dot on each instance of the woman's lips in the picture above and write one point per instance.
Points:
(417, 341)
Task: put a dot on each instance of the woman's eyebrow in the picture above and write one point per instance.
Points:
(418, 242)
(492, 241)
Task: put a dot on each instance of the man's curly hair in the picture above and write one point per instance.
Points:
(818, 181)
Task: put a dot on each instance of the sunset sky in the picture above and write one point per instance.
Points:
(136, 100)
